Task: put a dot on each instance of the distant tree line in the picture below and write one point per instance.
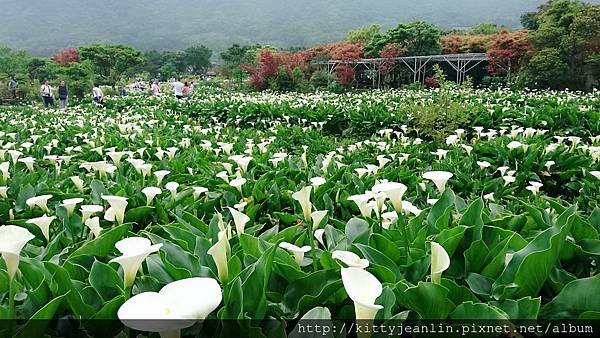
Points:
(558, 48)
(110, 65)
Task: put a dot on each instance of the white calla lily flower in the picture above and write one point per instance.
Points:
(440, 262)
(319, 236)
(298, 252)
(150, 193)
(362, 201)
(439, 178)
(363, 288)
(317, 217)
(534, 187)
(28, 161)
(177, 305)
(116, 156)
(394, 191)
(39, 201)
(88, 210)
(4, 168)
(70, 204)
(43, 223)
(134, 251)
(238, 183)
(239, 219)
(172, 187)
(78, 183)
(219, 253)
(303, 197)
(12, 240)
(483, 164)
(116, 211)
(197, 191)
(241, 161)
(317, 181)
(350, 259)
(94, 225)
(160, 174)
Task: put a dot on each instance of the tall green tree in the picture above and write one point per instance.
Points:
(419, 38)
(197, 59)
(162, 65)
(111, 62)
(363, 34)
(13, 62)
(41, 69)
(546, 69)
(485, 29)
(569, 30)
(529, 20)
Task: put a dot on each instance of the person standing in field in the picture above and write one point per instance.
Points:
(12, 87)
(154, 89)
(178, 88)
(98, 95)
(186, 89)
(63, 95)
(47, 95)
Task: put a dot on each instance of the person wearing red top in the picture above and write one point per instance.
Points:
(186, 89)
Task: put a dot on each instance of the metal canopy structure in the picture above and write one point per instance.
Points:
(461, 63)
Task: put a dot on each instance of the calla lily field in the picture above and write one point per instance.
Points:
(159, 216)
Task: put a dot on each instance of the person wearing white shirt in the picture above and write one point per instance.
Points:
(97, 94)
(178, 88)
(47, 95)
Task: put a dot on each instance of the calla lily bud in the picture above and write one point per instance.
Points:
(219, 254)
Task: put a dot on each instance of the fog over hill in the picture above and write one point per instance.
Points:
(43, 26)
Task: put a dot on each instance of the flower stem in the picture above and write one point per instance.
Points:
(312, 245)
(127, 292)
(11, 300)
(405, 235)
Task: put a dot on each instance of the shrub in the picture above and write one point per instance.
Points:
(444, 115)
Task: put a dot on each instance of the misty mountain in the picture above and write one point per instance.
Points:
(42, 27)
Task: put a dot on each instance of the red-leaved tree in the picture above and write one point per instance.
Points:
(456, 44)
(270, 64)
(65, 56)
(388, 53)
(508, 49)
(293, 60)
(343, 51)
